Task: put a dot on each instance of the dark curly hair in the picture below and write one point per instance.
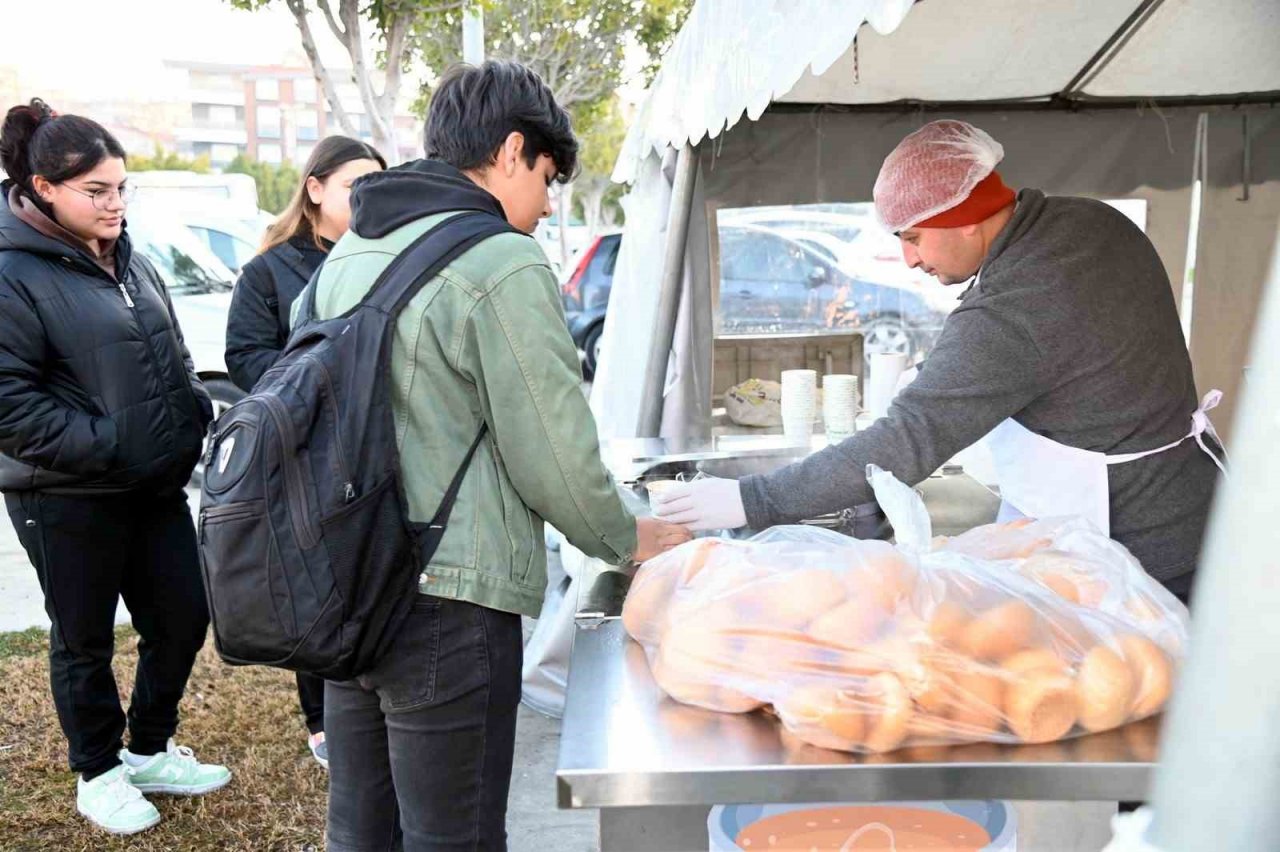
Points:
(474, 109)
(35, 140)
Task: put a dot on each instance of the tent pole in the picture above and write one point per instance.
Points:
(1218, 780)
(1131, 25)
(655, 375)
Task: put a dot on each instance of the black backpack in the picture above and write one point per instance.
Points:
(310, 561)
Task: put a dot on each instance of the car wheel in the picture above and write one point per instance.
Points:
(224, 395)
(591, 348)
(885, 334)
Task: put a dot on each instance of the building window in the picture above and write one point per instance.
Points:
(308, 124)
(268, 122)
(266, 89)
(304, 153)
(304, 90)
(222, 116)
(269, 153)
(220, 155)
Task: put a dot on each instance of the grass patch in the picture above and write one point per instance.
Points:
(24, 643)
(246, 718)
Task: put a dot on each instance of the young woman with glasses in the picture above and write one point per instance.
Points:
(102, 419)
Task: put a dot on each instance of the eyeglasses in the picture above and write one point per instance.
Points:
(102, 197)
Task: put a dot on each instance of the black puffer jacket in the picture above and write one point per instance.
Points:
(258, 322)
(97, 393)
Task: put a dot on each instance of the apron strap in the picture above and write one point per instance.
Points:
(1200, 424)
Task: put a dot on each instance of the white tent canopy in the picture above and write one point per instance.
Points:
(738, 56)
(1089, 97)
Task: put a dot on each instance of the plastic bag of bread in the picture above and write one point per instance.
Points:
(865, 646)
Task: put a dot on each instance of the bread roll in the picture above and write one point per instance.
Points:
(1105, 686)
(978, 706)
(1152, 674)
(852, 624)
(948, 623)
(1041, 706)
(890, 721)
(1000, 631)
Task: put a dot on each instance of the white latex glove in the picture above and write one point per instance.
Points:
(707, 504)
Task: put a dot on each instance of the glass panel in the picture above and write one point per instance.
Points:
(268, 122)
(267, 89)
(183, 260)
(304, 90)
(817, 268)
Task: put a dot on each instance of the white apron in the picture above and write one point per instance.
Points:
(1040, 478)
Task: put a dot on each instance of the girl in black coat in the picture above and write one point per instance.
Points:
(102, 419)
(258, 323)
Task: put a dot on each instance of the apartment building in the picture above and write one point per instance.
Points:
(272, 113)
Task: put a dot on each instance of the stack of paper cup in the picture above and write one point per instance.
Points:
(885, 369)
(839, 405)
(799, 403)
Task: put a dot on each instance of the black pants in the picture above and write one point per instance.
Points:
(88, 552)
(311, 700)
(420, 749)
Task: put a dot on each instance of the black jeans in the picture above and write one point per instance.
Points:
(420, 748)
(311, 700)
(88, 552)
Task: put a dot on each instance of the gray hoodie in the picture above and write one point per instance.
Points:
(1072, 331)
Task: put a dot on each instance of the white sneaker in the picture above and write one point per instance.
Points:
(319, 748)
(175, 771)
(113, 804)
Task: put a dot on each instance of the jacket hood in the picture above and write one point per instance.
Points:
(17, 235)
(384, 201)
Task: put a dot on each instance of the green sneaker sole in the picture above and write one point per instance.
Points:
(120, 831)
(184, 789)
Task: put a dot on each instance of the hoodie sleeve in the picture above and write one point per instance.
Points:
(253, 331)
(517, 350)
(35, 428)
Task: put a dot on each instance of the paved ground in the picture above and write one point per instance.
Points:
(533, 822)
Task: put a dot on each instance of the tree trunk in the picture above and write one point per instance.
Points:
(593, 206)
(564, 209)
(299, 10)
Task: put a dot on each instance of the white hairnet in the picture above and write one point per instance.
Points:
(933, 170)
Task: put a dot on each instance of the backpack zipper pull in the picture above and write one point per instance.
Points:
(349, 492)
(123, 292)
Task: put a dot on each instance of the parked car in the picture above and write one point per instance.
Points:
(585, 294)
(200, 288)
(773, 284)
(231, 231)
(233, 241)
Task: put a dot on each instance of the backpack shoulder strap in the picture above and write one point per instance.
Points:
(428, 255)
(422, 260)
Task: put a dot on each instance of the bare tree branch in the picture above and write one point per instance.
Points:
(396, 36)
(299, 10)
(337, 31)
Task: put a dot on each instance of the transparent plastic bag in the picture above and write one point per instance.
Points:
(865, 646)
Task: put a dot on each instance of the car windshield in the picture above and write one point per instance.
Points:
(185, 263)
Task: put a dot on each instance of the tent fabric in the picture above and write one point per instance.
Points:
(758, 49)
(944, 51)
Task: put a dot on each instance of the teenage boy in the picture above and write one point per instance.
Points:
(421, 747)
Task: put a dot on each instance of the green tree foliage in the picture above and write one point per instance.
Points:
(276, 183)
(162, 160)
(579, 49)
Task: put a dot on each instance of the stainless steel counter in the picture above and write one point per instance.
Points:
(625, 744)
